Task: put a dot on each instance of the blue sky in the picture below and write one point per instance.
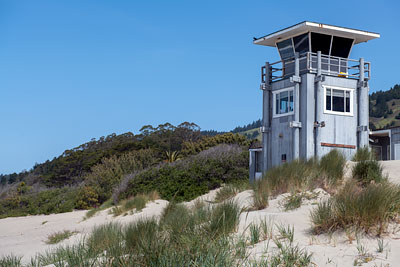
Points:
(75, 70)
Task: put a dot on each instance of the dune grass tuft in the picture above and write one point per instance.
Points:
(138, 203)
(226, 192)
(299, 176)
(364, 154)
(59, 236)
(369, 208)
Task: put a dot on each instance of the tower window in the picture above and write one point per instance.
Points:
(338, 100)
(283, 103)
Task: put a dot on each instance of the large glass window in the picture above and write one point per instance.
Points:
(283, 102)
(338, 100)
(320, 42)
(301, 43)
(341, 46)
(285, 49)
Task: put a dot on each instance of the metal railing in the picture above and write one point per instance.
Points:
(308, 63)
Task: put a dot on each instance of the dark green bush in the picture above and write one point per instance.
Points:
(186, 179)
(46, 202)
(106, 175)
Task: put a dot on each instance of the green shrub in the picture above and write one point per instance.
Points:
(207, 142)
(87, 198)
(367, 171)
(45, 202)
(189, 178)
(107, 174)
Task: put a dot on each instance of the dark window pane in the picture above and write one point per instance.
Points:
(338, 100)
(341, 46)
(301, 44)
(348, 101)
(328, 99)
(291, 101)
(285, 49)
(277, 104)
(320, 42)
(258, 161)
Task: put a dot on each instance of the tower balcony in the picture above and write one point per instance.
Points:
(308, 63)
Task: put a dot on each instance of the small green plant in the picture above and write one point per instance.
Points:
(254, 233)
(59, 236)
(293, 201)
(381, 245)
(267, 228)
(286, 232)
(44, 222)
(10, 261)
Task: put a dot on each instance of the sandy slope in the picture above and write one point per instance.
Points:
(26, 235)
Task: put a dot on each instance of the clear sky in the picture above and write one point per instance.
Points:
(75, 70)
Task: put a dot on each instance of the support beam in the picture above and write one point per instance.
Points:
(266, 117)
(318, 107)
(363, 108)
(296, 130)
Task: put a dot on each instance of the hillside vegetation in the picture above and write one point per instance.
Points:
(162, 158)
(384, 108)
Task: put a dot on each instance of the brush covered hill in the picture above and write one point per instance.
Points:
(88, 175)
(384, 108)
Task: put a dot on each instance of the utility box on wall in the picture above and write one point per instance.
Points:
(315, 98)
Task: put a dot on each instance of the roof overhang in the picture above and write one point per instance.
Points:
(380, 133)
(306, 26)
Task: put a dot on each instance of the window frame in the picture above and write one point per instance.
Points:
(351, 90)
(274, 94)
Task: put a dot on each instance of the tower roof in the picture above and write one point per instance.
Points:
(359, 36)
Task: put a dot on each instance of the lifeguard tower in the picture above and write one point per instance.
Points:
(315, 98)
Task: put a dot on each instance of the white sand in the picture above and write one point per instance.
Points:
(26, 236)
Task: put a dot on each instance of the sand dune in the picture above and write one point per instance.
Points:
(26, 236)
